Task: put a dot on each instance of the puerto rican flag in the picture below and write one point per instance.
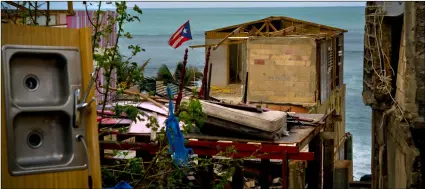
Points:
(180, 36)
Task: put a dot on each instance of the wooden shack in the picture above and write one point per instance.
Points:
(283, 64)
(288, 60)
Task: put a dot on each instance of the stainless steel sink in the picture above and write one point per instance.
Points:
(42, 138)
(31, 71)
(39, 84)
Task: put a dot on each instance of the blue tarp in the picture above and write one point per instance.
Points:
(121, 185)
(175, 137)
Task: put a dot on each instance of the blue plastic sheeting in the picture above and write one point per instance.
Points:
(175, 137)
(121, 185)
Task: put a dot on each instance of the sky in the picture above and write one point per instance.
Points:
(205, 4)
(239, 4)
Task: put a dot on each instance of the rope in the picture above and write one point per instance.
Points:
(385, 80)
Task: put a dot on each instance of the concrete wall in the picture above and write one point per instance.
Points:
(287, 73)
(218, 59)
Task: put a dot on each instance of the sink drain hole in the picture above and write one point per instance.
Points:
(31, 82)
(35, 139)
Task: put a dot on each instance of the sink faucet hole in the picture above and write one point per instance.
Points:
(31, 82)
(35, 140)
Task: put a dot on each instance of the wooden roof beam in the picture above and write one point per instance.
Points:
(237, 30)
(271, 25)
(202, 46)
(16, 5)
(283, 32)
(69, 11)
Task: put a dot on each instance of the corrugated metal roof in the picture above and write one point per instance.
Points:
(161, 89)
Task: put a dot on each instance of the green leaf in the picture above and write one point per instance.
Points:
(137, 9)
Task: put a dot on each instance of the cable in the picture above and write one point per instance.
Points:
(80, 138)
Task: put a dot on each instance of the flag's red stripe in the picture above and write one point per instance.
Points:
(174, 43)
(175, 39)
(182, 41)
(177, 33)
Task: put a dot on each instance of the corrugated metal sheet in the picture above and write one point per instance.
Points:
(161, 89)
(81, 20)
(101, 81)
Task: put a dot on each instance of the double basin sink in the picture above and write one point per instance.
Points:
(39, 84)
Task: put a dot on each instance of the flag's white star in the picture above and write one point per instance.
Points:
(184, 30)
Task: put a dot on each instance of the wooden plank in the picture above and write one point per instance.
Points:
(237, 30)
(262, 27)
(343, 171)
(296, 135)
(283, 31)
(47, 36)
(201, 46)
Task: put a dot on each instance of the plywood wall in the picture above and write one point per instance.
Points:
(47, 36)
(282, 70)
(220, 66)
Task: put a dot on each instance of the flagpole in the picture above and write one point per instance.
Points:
(182, 74)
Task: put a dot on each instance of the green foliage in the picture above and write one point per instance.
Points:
(164, 74)
(191, 115)
(191, 73)
(161, 171)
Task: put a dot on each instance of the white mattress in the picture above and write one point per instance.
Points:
(269, 121)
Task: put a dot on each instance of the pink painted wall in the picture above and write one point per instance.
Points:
(82, 19)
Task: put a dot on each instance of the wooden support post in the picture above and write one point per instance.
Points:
(237, 178)
(206, 174)
(328, 159)
(342, 173)
(264, 177)
(204, 88)
(348, 147)
(245, 92)
(285, 168)
(182, 75)
(209, 82)
(348, 152)
(314, 168)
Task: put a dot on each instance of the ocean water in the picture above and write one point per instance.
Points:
(157, 25)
